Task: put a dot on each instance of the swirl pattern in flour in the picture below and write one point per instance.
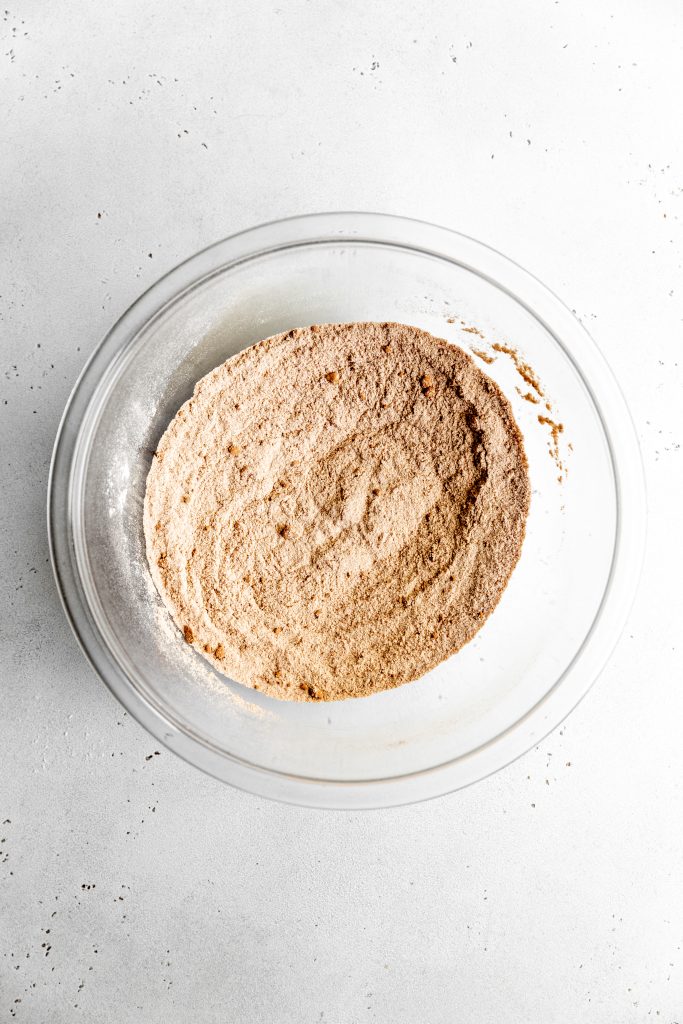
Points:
(337, 509)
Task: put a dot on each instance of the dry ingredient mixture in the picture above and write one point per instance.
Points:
(535, 395)
(337, 509)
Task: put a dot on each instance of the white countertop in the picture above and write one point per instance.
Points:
(134, 133)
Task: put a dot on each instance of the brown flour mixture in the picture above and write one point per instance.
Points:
(337, 509)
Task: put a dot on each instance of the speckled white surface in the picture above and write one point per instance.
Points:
(136, 889)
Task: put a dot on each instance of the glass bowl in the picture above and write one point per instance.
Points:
(566, 602)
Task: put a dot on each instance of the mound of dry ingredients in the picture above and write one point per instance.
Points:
(337, 509)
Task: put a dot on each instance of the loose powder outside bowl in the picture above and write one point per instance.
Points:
(337, 509)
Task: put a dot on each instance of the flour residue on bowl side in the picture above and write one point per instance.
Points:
(534, 393)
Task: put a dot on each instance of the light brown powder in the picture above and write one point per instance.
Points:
(554, 445)
(529, 397)
(380, 514)
(484, 356)
(530, 377)
(526, 372)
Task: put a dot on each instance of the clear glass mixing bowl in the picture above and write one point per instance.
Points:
(566, 602)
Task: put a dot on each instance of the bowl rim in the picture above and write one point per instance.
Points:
(577, 677)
